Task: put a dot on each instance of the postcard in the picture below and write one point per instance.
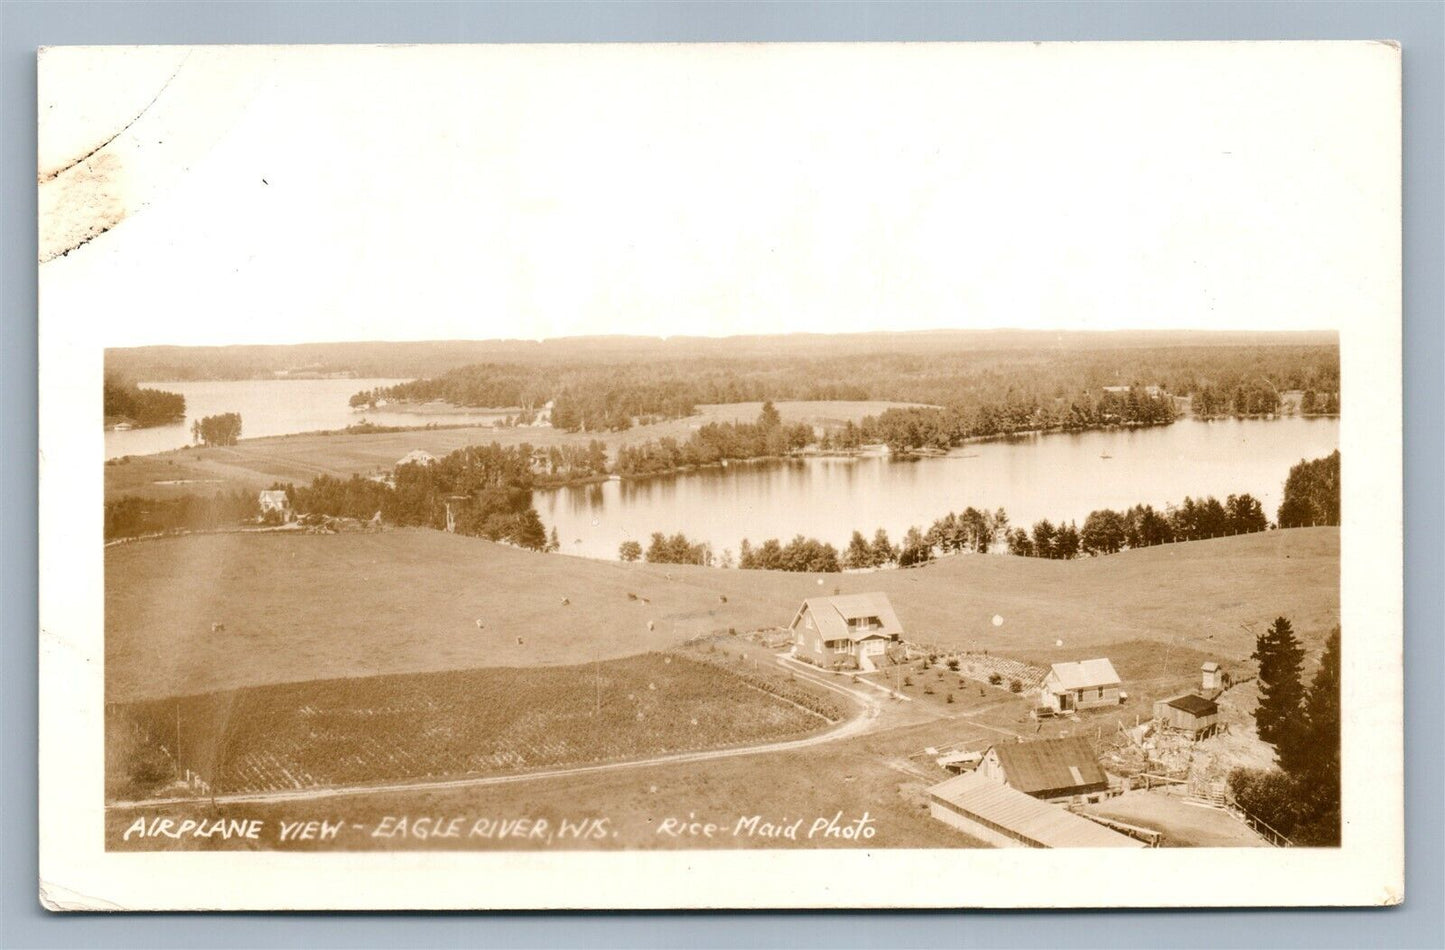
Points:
(720, 476)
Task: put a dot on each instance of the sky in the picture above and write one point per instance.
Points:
(287, 194)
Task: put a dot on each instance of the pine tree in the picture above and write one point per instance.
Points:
(1279, 716)
(1322, 712)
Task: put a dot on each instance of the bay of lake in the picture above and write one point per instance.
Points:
(276, 407)
(1059, 476)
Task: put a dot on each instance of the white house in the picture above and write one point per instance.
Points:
(275, 501)
(1083, 684)
(416, 457)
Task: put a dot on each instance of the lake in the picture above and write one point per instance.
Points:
(1059, 477)
(276, 407)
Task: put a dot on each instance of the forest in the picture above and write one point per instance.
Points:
(124, 400)
(482, 490)
(967, 392)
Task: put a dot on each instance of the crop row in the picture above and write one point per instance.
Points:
(474, 722)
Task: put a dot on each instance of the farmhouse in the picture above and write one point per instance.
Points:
(1084, 684)
(275, 501)
(1007, 818)
(1193, 715)
(845, 631)
(1051, 769)
(416, 457)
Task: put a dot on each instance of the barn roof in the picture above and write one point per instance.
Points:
(1050, 826)
(1194, 705)
(417, 457)
(1048, 765)
(1210, 665)
(1086, 674)
(833, 613)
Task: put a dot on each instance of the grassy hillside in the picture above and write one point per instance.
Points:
(257, 463)
(299, 607)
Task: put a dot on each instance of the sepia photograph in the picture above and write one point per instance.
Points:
(875, 475)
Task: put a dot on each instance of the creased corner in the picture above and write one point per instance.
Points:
(61, 900)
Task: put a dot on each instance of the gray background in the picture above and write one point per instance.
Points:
(1420, 26)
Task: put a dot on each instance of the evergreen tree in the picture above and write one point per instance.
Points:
(1279, 716)
(1317, 761)
(529, 531)
(770, 418)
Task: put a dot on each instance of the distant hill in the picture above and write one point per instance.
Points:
(399, 360)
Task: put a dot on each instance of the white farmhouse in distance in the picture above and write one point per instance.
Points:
(416, 457)
(275, 500)
(1083, 684)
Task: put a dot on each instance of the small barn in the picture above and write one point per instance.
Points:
(1193, 715)
(1052, 769)
(1083, 684)
(845, 631)
(1007, 818)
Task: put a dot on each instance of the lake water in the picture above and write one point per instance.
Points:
(1059, 477)
(274, 407)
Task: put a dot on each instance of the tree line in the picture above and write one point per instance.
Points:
(1300, 798)
(142, 406)
(1106, 531)
(132, 517)
(986, 391)
(717, 441)
(931, 427)
(979, 530)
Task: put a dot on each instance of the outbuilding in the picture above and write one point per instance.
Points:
(1083, 684)
(1007, 818)
(1052, 769)
(1190, 714)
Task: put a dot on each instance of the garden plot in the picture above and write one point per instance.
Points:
(466, 723)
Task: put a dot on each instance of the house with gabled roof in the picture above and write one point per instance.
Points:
(276, 503)
(1049, 769)
(1084, 684)
(845, 631)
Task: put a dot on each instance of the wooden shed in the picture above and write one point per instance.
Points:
(1191, 714)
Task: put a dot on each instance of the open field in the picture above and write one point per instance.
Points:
(258, 463)
(373, 730)
(633, 808)
(298, 607)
